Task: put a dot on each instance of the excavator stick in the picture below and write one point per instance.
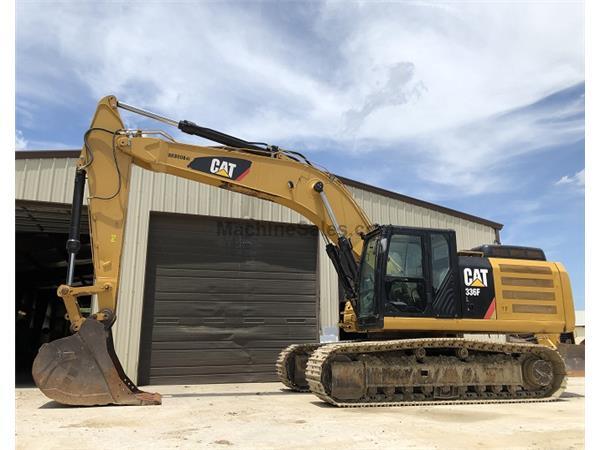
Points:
(83, 369)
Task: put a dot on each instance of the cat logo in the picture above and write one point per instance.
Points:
(232, 168)
(223, 168)
(475, 277)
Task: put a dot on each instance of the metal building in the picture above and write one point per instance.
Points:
(191, 310)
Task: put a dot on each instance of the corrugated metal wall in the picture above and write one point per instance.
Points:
(51, 179)
(385, 210)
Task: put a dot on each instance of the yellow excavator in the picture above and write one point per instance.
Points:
(411, 296)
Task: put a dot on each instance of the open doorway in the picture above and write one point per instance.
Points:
(40, 267)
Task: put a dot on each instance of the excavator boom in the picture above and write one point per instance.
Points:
(83, 369)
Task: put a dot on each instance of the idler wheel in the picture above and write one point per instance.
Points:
(538, 372)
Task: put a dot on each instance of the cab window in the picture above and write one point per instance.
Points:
(405, 258)
(366, 287)
(440, 260)
(404, 281)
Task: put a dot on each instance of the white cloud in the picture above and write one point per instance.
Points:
(474, 59)
(20, 141)
(463, 154)
(361, 75)
(577, 179)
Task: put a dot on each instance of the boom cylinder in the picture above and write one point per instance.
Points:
(191, 128)
(73, 243)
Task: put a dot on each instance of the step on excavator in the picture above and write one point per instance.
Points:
(410, 295)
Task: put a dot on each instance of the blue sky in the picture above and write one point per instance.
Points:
(478, 107)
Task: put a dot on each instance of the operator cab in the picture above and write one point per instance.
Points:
(407, 272)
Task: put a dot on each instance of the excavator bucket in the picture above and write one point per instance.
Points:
(83, 370)
(574, 357)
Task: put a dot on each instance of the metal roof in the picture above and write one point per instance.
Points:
(33, 154)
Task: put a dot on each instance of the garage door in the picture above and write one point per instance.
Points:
(223, 297)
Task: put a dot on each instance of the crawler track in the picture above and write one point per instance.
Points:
(510, 366)
(286, 365)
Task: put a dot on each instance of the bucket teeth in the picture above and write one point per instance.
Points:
(84, 370)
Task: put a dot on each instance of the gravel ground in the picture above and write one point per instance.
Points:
(263, 415)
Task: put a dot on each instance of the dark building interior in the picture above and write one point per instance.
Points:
(40, 267)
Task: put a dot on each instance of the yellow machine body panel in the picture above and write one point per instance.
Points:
(533, 291)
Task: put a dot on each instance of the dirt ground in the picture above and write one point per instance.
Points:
(266, 416)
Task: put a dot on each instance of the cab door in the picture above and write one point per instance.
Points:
(419, 274)
(405, 285)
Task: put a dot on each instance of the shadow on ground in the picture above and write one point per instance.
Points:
(570, 395)
(228, 394)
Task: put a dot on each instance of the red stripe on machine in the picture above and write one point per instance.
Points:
(491, 309)
(242, 175)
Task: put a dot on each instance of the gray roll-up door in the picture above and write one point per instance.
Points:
(223, 297)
